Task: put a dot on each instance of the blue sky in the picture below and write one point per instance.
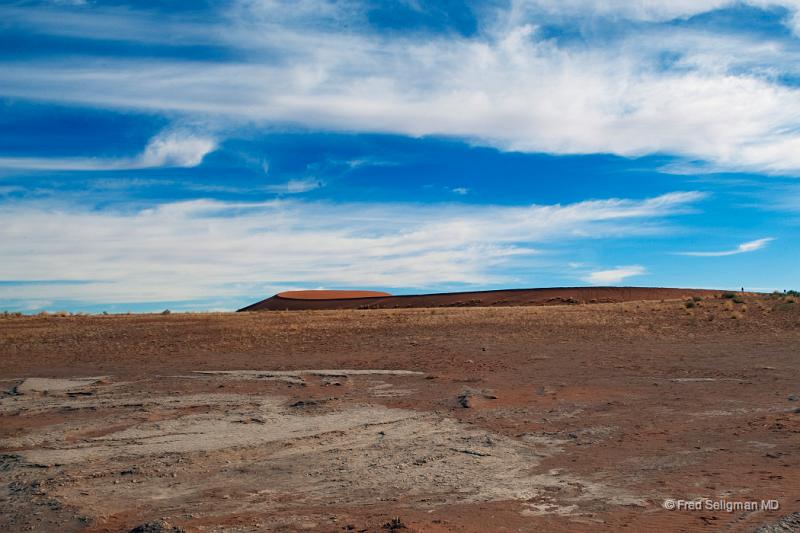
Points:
(204, 155)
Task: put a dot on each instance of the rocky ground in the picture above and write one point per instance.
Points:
(569, 418)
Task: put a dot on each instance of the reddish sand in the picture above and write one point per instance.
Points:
(330, 295)
(532, 419)
(563, 418)
(296, 300)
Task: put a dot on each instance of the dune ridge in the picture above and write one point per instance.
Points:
(300, 300)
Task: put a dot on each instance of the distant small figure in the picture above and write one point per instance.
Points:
(742, 289)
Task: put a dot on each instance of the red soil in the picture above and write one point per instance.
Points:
(329, 295)
(650, 400)
(296, 300)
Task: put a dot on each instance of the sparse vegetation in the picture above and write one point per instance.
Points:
(697, 298)
(785, 294)
(729, 295)
(786, 305)
(690, 304)
(394, 524)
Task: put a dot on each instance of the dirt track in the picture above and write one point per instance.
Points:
(575, 417)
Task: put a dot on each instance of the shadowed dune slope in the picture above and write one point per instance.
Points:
(298, 300)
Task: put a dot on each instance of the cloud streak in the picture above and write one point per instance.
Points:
(168, 149)
(509, 86)
(295, 186)
(210, 249)
(745, 247)
(647, 10)
(614, 276)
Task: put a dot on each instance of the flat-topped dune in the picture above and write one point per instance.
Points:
(298, 300)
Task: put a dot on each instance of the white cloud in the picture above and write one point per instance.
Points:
(460, 190)
(645, 10)
(210, 249)
(507, 87)
(641, 10)
(167, 149)
(750, 246)
(614, 276)
(176, 149)
(295, 186)
(70, 2)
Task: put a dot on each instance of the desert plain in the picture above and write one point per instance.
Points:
(563, 417)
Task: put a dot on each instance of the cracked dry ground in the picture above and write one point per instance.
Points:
(569, 418)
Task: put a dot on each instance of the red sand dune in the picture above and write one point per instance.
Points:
(329, 295)
(297, 300)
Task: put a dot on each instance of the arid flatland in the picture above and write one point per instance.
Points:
(562, 417)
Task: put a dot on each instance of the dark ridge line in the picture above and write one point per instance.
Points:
(459, 293)
(279, 297)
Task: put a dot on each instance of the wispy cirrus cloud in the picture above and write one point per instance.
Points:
(745, 247)
(167, 149)
(295, 186)
(648, 10)
(614, 276)
(202, 249)
(720, 99)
